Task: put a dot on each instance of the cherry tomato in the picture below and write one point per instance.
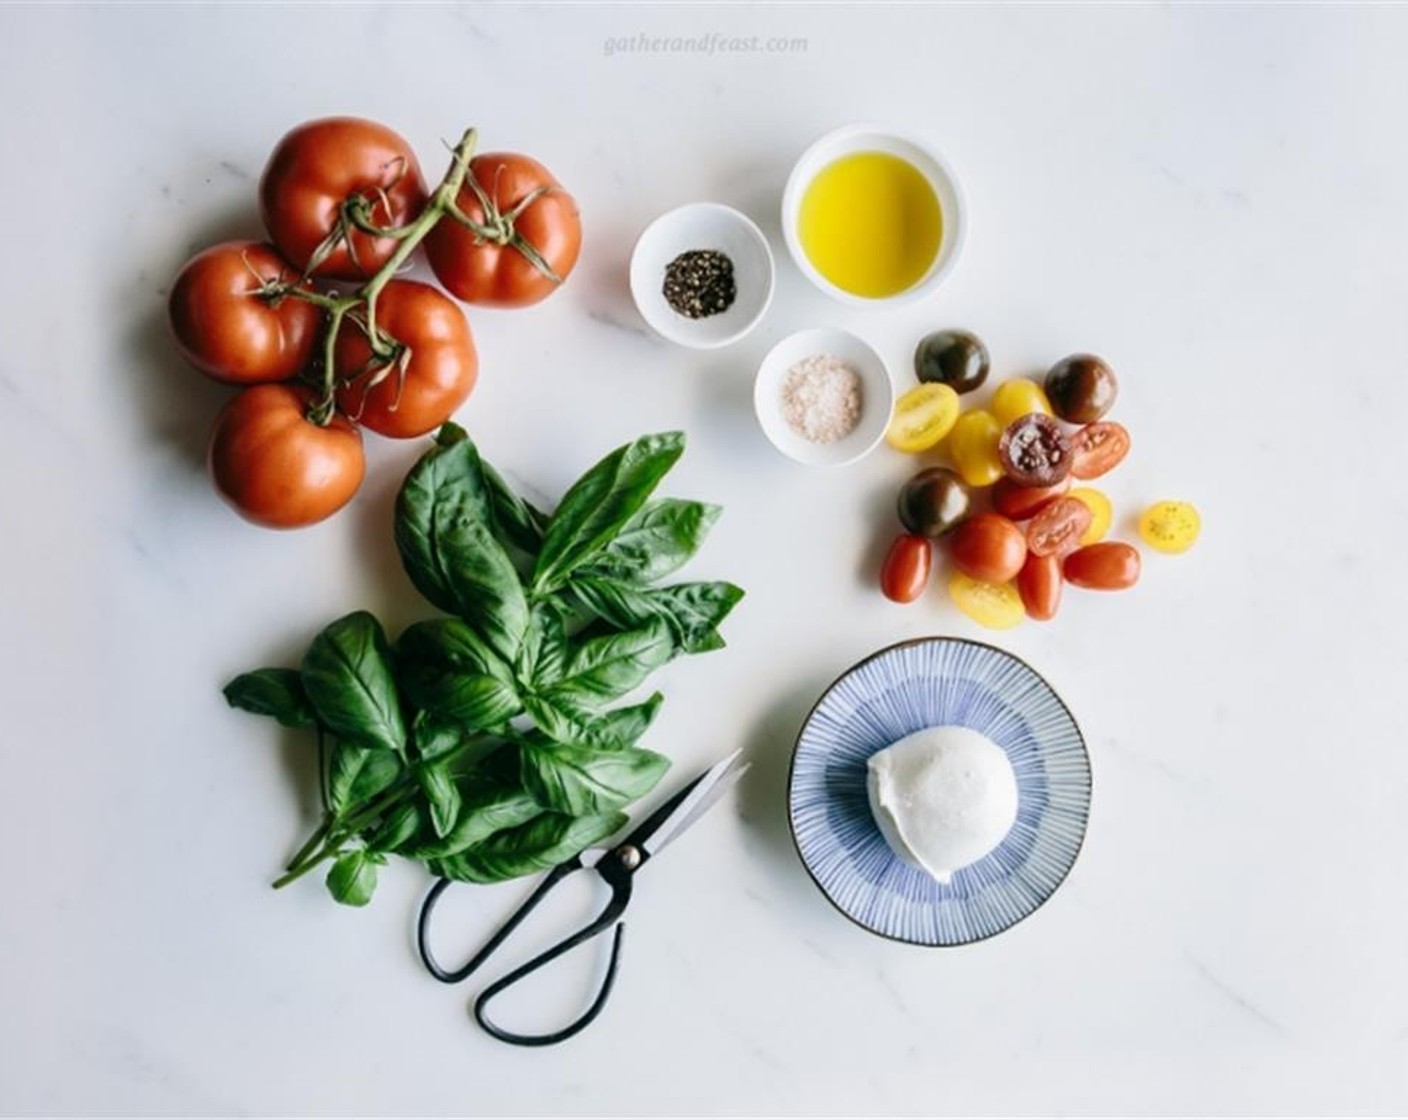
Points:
(1101, 512)
(1170, 526)
(988, 547)
(923, 416)
(1034, 451)
(998, 606)
(1039, 583)
(226, 331)
(1057, 529)
(320, 165)
(1107, 566)
(933, 502)
(1081, 388)
(905, 573)
(438, 378)
(972, 444)
(1017, 398)
(1098, 448)
(1021, 502)
(275, 466)
(499, 271)
(954, 358)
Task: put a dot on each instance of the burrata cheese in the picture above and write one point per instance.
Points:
(943, 797)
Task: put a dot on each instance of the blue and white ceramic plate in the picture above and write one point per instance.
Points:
(933, 682)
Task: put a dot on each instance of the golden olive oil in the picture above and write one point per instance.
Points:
(871, 224)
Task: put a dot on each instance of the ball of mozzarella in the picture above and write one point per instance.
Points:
(943, 797)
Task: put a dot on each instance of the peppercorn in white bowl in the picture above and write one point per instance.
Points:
(702, 275)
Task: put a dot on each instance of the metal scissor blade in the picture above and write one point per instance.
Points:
(688, 805)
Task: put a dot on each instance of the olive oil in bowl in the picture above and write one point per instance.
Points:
(871, 224)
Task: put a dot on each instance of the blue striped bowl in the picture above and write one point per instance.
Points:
(931, 682)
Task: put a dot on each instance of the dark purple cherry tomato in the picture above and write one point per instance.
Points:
(954, 358)
(905, 573)
(1081, 388)
(933, 502)
(1035, 451)
(1103, 566)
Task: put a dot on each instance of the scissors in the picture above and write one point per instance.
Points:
(617, 866)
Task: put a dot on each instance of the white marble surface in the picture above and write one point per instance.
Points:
(1213, 198)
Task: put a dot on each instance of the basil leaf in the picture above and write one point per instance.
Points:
(450, 673)
(543, 656)
(434, 740)
(658, 540)
(399, 829)
(444, 530)
(272, 692)
(518, 523)
(606, 731)
(693, 611)
(483, 812)
(443, 797)
(545, 841)
(347, 677)
(352, 878)
(580, 780)
(600, 503)
(358, 773)
(601, 669)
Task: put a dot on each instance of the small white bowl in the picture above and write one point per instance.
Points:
(703, 225)
(868, 138)
(877, 396)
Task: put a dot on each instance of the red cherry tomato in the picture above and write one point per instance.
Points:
(989, 547)
(1039, 584)
(1098, 448)
(501, 273)
(226, 331)
(1104, 566)
(320, 165)
(410, 400)
(1057, 529)
(905, 573)
(275, 466)
(1021, 502)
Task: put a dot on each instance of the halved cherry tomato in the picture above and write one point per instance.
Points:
(1101, 512)
(226, 331)
(1107, 566)
(275, 466)
(319, 166)
(988, 547)
(1035, 451)
(1039, 583)
(1022, 502)
(923, 416)
(410, 399)
(530, 216)
(1021, 396)
(1170, 526)
(905, 573)
(998, 606)
(1098, 448)
(1057, 529)
(972, 444)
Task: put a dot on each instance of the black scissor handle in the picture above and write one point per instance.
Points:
(615, 871)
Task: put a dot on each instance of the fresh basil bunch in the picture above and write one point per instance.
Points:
(484, 743)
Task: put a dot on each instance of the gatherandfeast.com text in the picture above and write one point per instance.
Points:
(714, 43)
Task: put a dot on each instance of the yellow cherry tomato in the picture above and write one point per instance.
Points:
(998, 606)
(973, 447)
(1170, 526)
(923, 416)
(1017, 398)
(1101, 513)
